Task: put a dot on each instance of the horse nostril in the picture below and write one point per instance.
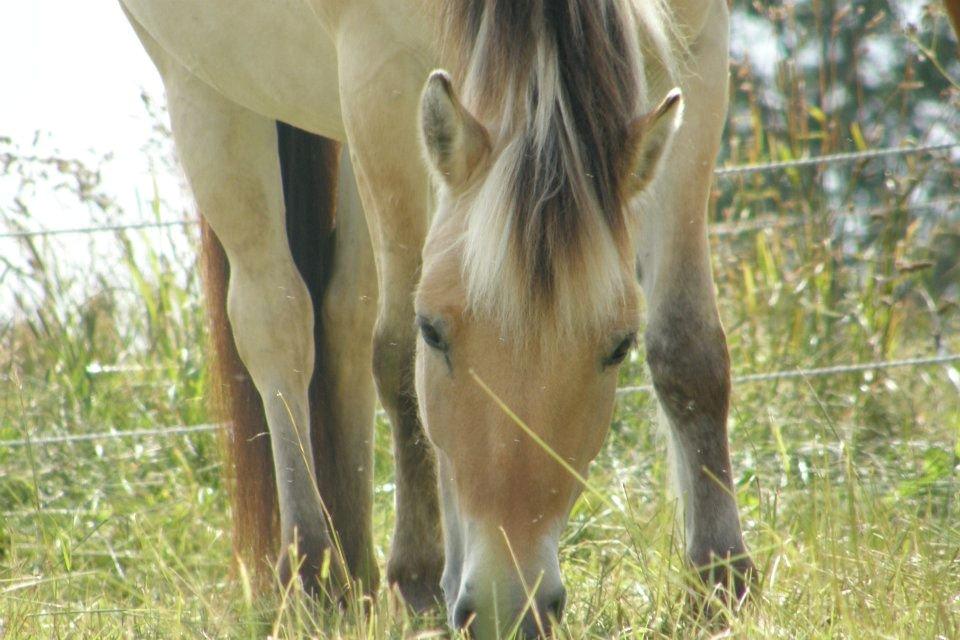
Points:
(555, 605)
(463, 613)
(540, 624)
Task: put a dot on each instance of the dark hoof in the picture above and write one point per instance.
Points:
(417, 584)
(729, 578)
(316, 565)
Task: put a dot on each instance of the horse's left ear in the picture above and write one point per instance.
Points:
(454, 141)
(648, 138)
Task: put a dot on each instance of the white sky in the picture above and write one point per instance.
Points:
(73, 71)
(71, 77)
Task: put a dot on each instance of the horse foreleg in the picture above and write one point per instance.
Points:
(345, 457)
(230, 156)
(685, 343)
(379, 106)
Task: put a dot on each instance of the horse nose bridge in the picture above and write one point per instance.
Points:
(537, 413)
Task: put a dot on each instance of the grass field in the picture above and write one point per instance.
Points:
(849, 485)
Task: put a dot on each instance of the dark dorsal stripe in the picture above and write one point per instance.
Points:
(494, 45)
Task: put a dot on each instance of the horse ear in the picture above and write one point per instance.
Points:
(648, 138)
(453, 140)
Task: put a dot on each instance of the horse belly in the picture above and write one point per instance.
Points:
(274, 58)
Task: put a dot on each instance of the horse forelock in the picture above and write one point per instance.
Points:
(556, 82)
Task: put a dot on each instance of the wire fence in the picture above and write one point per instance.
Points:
(721, 172)
(719, 229)
(161, 432)
(839, 369)
(833, 158)
(128, 226)
(789, 374)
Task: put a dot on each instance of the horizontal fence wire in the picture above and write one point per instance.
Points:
(723, 229)
(127, 226)
(841, 369)
(723, 172)
(855, 367)
(162, 432)
(832, 158)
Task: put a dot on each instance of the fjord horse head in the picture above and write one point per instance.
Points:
(528, 301)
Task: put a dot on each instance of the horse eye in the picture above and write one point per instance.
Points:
(620, 353)
(430, 334)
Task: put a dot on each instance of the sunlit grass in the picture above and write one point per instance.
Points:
(848, 487)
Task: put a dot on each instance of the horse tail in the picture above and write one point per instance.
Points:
(308, 165)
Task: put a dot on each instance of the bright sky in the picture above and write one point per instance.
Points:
(74, 71)
(72, 76)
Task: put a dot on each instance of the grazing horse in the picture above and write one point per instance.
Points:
(480, 236)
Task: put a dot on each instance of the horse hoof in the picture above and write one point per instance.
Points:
(314, 563)
(730, 577)
(418, 585)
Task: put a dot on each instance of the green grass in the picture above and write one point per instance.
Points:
(849, 485)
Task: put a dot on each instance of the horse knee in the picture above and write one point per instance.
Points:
(258, 303)
(690, 368)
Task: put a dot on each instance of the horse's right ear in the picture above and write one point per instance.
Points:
(454, 141)
(648, 139)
